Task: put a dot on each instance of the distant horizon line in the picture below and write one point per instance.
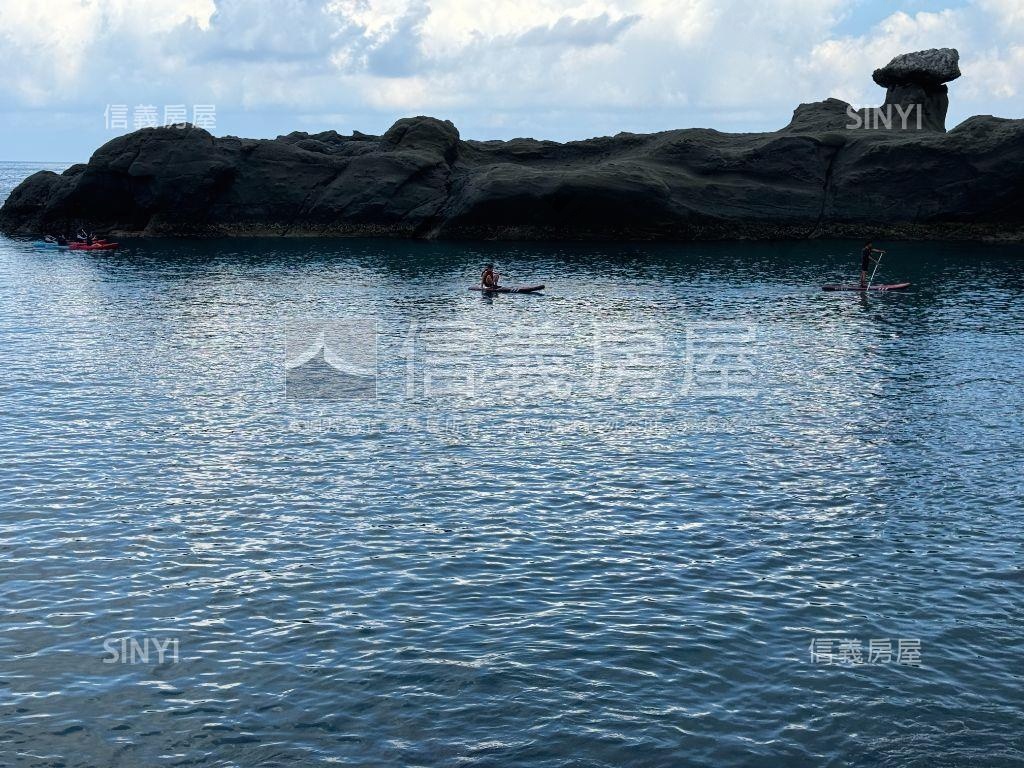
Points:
(48, 162)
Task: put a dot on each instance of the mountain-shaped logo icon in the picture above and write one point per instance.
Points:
(336, 360)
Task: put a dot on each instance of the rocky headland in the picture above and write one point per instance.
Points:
(833, 171)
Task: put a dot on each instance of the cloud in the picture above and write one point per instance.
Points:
(1006, 12)
(570, 32)
(260, 31)
(50, 50)
(398, 54)
(557, 68)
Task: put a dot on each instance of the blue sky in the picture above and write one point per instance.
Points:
(559, 69)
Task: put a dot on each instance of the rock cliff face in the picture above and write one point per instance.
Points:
(816, 177)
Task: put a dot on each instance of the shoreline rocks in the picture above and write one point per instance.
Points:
(816, 177)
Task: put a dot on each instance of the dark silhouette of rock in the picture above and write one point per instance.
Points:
(917, 80)
(820, 116)
(925, 107)
(932, 67)
(816, 177)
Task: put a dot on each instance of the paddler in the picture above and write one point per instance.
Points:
(489, 278)
(866, 260)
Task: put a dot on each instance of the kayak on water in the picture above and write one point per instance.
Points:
(888, 287)
(507, 289)
(77, 244)
(103, 246)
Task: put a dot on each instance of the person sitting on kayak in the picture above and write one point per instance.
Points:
(489, 278)
(865, 262)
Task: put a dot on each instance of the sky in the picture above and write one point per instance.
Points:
(79, 72)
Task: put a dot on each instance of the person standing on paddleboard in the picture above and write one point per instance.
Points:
(489, 278)
(865, 262)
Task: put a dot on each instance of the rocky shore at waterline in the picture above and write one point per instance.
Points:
(891, 172)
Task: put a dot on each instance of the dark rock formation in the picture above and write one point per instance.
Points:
(816, 177)
(932, 67)
(919, 78)
(821, 116)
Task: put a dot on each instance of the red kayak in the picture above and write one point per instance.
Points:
(100, 246)
(889, 287)
(506, 289)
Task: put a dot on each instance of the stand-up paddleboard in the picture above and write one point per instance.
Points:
(889, 287)
(102, 245)
(507, 289)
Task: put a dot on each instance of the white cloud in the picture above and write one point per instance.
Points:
(55, 47)
(996, 75)
(572, 32)
(1006, 12)
(565, 67)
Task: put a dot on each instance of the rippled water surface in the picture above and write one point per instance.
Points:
(600, 526)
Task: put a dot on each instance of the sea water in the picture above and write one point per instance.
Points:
(683, 508)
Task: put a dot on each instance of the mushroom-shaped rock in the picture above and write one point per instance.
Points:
(916, 82)
(927, 68)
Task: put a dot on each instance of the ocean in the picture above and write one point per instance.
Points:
(313, 502)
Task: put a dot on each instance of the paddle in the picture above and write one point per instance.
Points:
(879, 261)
